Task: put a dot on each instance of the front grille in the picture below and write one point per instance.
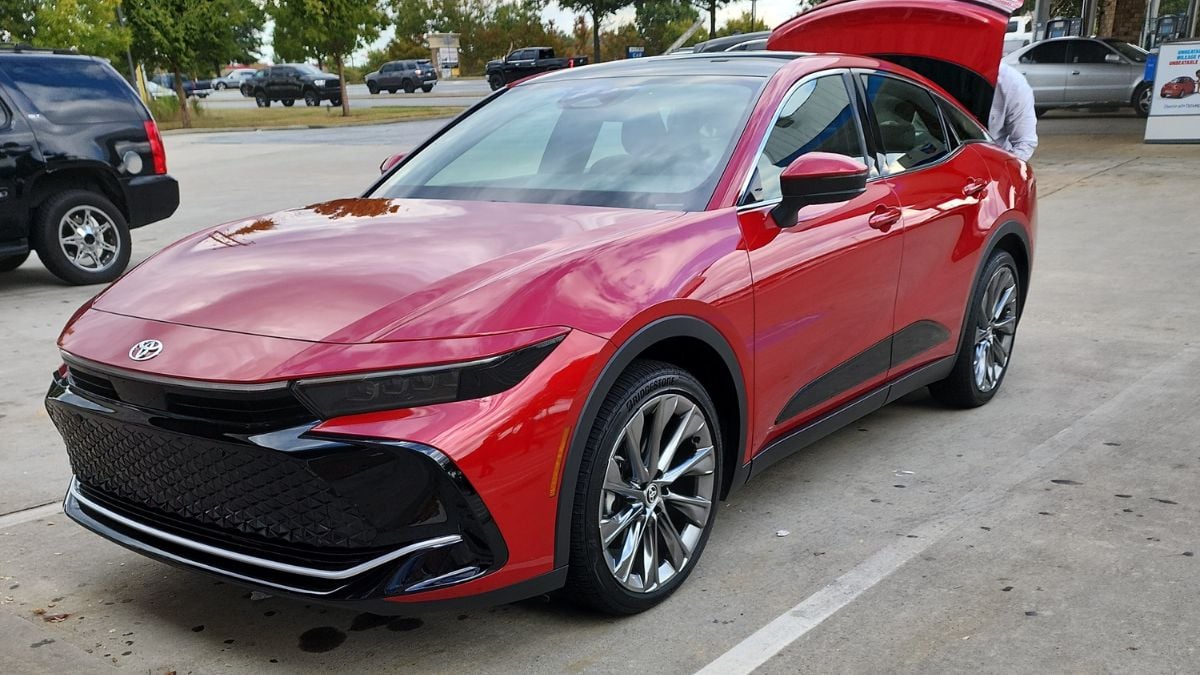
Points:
(275, 408)
(221, 485)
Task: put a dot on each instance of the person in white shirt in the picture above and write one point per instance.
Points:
(1013, 121)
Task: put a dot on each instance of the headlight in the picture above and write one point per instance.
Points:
(370, 392)
(319, 83)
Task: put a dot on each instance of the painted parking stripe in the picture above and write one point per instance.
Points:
(26, 515)
(766, 642)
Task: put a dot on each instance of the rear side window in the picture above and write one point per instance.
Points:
(1047, 52)
(73, 91)
(965, 127)
(910, 127)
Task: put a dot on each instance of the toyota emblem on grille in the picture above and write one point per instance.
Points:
(145, 350)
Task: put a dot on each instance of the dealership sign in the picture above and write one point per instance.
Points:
(1175, 107)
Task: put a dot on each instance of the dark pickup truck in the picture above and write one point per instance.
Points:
(525, 62)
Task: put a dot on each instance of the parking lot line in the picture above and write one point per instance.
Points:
(33, 513)
(771, 639)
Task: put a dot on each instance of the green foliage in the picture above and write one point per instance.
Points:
(89, 26)
(322, 29)
(661, 22)
(742, 24)
(710, 7)
(165, 109)
(16, 20)
(597, 10)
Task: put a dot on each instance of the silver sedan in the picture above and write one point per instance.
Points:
(1075, 72)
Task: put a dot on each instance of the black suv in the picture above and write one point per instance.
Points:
(291, 82)
(81, 163)
(406, 75)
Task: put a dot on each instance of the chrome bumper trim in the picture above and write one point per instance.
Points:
(330, 575)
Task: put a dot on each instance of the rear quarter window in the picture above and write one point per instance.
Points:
(73, 91)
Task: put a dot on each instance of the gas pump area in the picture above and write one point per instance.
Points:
(1147, 23)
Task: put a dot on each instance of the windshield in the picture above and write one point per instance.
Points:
(305, 69)
(1131, 52)
(629, 142)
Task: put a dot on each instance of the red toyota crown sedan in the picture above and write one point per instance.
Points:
(539, 352)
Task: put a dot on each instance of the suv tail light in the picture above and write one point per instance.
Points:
(156, 147)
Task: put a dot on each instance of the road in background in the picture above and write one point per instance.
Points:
(1051, 530)
(445, 93)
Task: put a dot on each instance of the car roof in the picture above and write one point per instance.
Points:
(721, 43)
(753, 64)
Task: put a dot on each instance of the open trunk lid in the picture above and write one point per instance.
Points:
(957, 44)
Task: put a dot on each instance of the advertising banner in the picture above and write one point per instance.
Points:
(1175, 107)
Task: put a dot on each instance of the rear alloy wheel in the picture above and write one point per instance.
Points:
(335, 102)
(219, 86)
(987, 343)
(12, 262)
(1143, 96)
(288, 102)
(647, 493)
(408, 86)
(82, 237)
(261, 100)
(311, 99)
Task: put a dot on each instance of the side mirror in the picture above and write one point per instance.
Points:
(391, 161)
(818, 178)
(1112, 58)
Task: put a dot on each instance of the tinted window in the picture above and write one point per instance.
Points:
(1131, 52)
(964, 126)
(1047, 52)
(817, 117)
(73, 91)
(630, 142)
(910, 128)
(1087, 51)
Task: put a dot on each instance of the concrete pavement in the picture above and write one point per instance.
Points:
(1048, 531)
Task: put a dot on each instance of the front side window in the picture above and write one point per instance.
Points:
(1047, 52)
(1131, 52)
(910, 128)
(817, 117)
(629, 142)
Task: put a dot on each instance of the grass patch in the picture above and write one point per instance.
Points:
(279, 116)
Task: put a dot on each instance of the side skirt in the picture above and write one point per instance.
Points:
(859, 407)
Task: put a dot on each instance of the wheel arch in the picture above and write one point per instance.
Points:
(692, 344)
(97, 178)
(1012, 237)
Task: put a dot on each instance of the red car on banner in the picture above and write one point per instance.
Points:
(546, 344)
(1178, 88)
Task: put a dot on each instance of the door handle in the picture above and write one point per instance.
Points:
(974, 187)
(884, 218)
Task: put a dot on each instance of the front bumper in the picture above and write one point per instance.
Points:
(150, 199)
(255, 498)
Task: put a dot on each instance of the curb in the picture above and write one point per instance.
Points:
(299, 127)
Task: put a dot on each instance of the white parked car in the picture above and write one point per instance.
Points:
(233, 79)
(1019, 33)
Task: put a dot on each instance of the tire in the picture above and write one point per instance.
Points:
(495, 81)
(408, 86)
(74, 256)
(1142, 98)
(261, 100)
(335, 102)
(311, 99)
(12, 262)
(373, 88)
(220, 86)
(991, 330)
(599, 576)
(427, 88)
(288, 102)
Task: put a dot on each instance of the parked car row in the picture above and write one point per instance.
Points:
(291, 82)
(1076, 72)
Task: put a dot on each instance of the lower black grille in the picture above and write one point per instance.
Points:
(256, 492)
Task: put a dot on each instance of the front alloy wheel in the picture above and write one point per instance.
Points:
(82, 237)
(647, 492)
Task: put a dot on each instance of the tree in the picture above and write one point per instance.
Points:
(182, 36)
(742, 24)
(88, 26)
(661, 22)
(597, 9)
(328, 28)
(16, 20)
(711, 6)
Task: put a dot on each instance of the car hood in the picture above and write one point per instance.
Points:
(355, 270)
(957, 44)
